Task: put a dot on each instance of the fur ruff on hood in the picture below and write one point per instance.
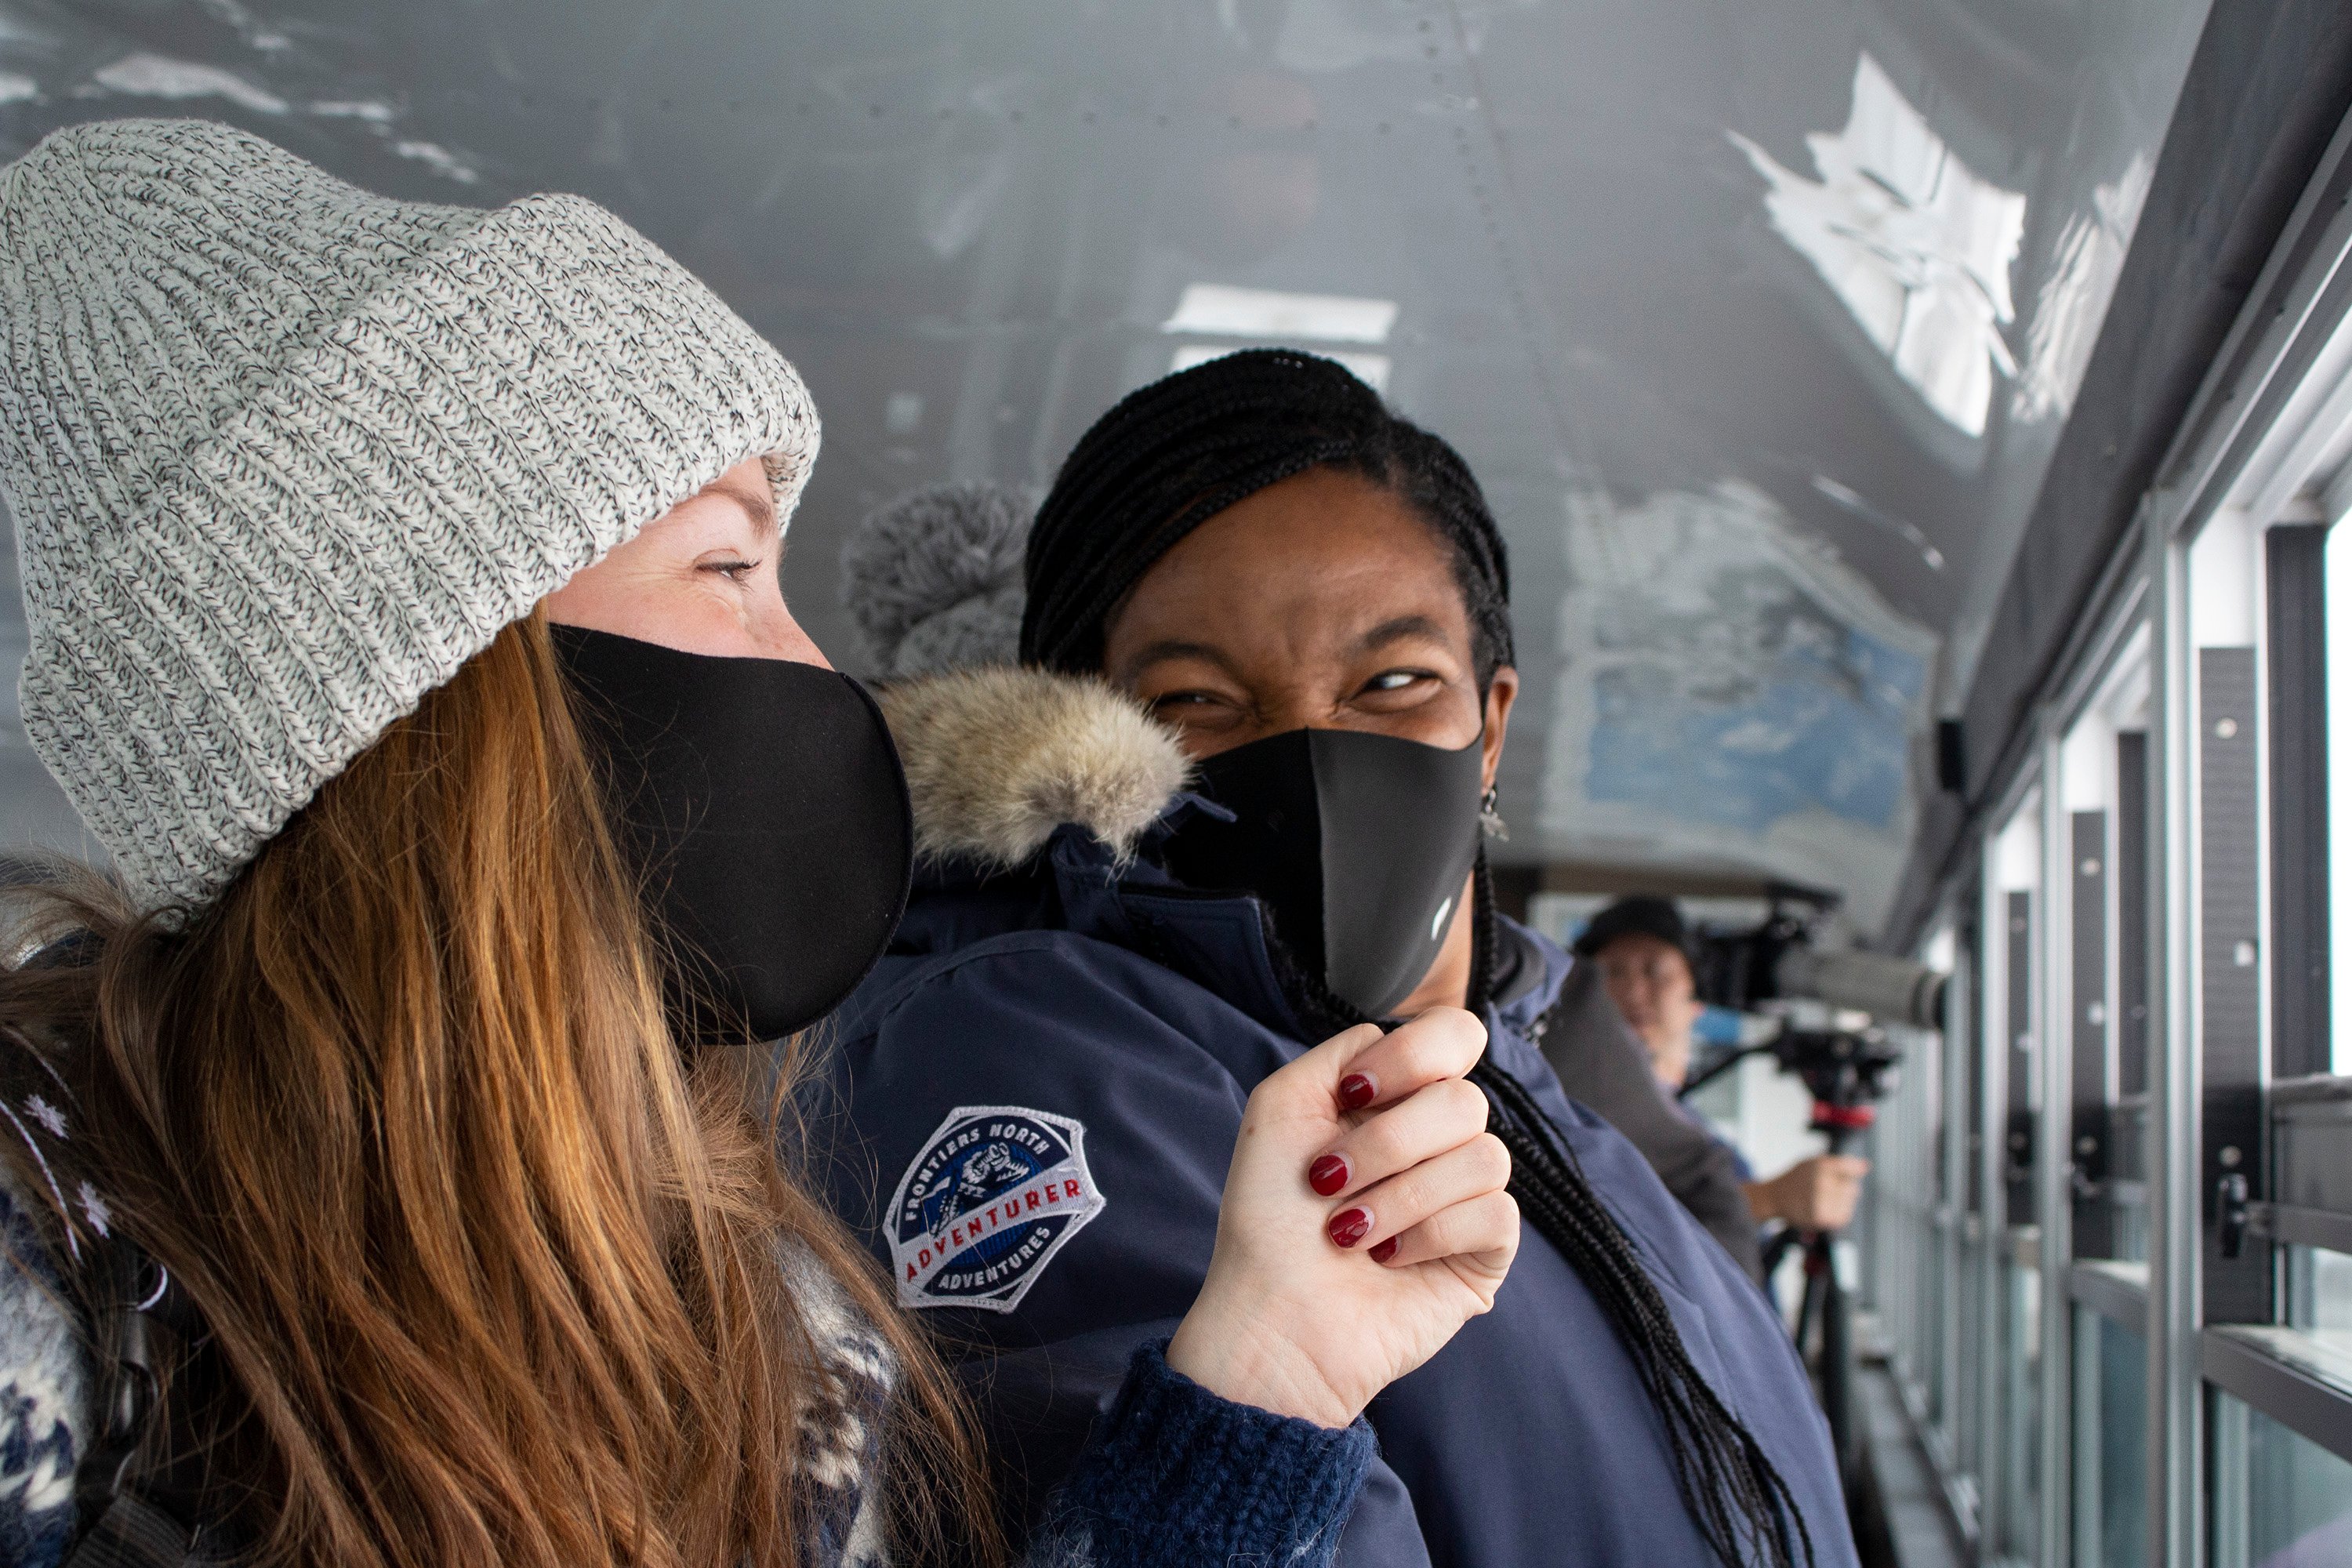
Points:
(998, 758)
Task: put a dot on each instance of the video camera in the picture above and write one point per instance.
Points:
(1777, 960)
(1768, 965)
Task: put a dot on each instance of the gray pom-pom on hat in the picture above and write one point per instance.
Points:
(933, 578)
(284, 455)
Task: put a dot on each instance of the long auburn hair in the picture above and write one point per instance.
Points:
(491, 1272)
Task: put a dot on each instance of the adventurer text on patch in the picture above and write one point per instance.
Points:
(994, 1194)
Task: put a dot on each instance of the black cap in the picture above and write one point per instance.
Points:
(1639, 915)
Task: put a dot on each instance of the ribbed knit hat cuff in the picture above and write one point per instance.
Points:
(493, 416)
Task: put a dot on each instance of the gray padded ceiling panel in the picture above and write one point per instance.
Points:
(1758, 317)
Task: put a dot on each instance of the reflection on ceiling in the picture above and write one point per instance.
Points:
(1371, 369)
(1917, 247)
(1759, 319)
(1273, 318)
(2065, 328)
(1734, 693)
(1270, 313)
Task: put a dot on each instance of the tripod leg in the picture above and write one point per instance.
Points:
(1837, 1353)
(1809, 1306)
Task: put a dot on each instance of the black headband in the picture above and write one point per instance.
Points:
(1169, 457)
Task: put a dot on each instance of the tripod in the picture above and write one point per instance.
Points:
(1847, 1071)
(1824, 1309)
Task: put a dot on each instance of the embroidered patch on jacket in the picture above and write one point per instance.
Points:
(994, 1195)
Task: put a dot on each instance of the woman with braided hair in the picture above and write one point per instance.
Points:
(1121, 924)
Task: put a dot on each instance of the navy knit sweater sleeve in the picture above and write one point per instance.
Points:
(1176, 1477)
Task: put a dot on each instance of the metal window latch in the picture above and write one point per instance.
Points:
(2230, 1214)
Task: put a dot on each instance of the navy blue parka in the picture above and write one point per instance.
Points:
(1030, 1106)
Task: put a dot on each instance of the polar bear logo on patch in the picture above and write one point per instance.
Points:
(982, 1176)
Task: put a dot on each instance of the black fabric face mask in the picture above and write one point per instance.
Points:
(765, 806)
(1357, 844)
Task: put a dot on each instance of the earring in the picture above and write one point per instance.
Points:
(1490, 816)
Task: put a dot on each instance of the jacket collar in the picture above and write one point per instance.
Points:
(997, 759)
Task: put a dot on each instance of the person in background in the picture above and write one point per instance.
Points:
(378, 1186)
(1235, 796)
(1641, 949)
(1605, 1068)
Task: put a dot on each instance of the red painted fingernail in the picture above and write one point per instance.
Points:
(1356, 1091)
(1329, 1174)
(1383, 1251)
(1350, 1226)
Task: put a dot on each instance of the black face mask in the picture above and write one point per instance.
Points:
(1357, 844)
(764, 804)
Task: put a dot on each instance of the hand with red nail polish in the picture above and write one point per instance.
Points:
(1364, 1222)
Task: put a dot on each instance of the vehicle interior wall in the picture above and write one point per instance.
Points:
(2151, 1274)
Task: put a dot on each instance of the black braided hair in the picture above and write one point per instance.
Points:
(1736, 1495)
(1159, 464)
(1169, 457)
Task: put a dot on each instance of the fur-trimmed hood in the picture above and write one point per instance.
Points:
(998, 758)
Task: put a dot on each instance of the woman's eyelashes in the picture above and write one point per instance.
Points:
(1386, 690)
(1190, 705)
(1391, 684)
(733, 568)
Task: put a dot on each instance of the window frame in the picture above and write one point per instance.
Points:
(2267, 442)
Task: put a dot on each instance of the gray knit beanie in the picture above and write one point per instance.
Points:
(284, 455)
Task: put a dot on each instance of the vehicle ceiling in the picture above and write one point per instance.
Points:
(1758, 319)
